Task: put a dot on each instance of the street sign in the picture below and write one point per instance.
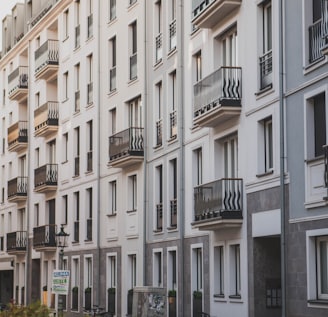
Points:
(60, 282)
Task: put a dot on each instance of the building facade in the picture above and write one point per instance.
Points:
(171, 140)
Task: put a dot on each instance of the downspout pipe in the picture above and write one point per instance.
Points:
(282, 159)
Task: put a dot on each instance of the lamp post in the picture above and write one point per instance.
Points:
(61, 242)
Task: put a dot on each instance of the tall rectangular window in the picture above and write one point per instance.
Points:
(112, 121)
(88, 280)
(235, 278)
(77, 151)
(132, 270)
(133, 50)
(172, 270)
(77, 88)
(322, 267)
(198, 166)
(77, 217)
(65, 148)
(159, 121)
(90, 79)
(112, 197)
(112, 271)
(157, 269)
(159, 198)
(198, 66)
(90, 146)
(197, 269)
(319, 109)
(112, 63)
(90, 18)
(112, 9)
(268, 144)
(173, 192)
(132, 190)
(65, 209)
(158, 30)
(65, 86)
(66, 24)
(219, 270)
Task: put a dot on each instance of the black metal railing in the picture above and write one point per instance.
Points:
(126, 142)
(77, 36)
(222, 86)
(317, 41)
(173, 124)
(325, 151)
(44, 236)
(89, 229)
(76, 231)
(266, 70)
(17, 187)
(221, 198)
(90, 25)
(17, 133)
(201, 7)
(46, 175)
(89, 161)
(17, 241)
(133, 66)
(174, 212)
(46, 115)
(45, 7)
(18, 79)
(324, 20)
(46, 54)
(173, 34)
(159, 132)
(159, 216)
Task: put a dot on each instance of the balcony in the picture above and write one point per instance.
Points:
(44, 8)
(210, 12)
(47, 60)
(218, 204)
(18, 84)
(159, 47)
(44, 238)
(217, 97)
(46, 178)
(173, 124)
(159, 217)
(16, 242)
(126, 147)
(173, 34)
(17, 136)
(17, 189)
(174, 212)
(46, 119)
(324, 26)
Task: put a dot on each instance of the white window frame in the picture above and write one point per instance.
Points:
(112, 203)
(158, 267)
(219, 271)
(172, 277)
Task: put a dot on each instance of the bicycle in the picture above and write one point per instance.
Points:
(97, 311)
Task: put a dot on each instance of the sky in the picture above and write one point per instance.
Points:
(5, 8)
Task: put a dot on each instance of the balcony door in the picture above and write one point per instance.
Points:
(229, 48)
(52, 212)
(22, 166)
(135, 115)
(52, 152)
(21, 223)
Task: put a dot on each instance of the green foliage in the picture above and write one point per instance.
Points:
(198, 294)
(172, 293)
(111, 290)
(33, 310)
(87, 290)
(75, 289)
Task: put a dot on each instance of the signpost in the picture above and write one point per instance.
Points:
(60, 282)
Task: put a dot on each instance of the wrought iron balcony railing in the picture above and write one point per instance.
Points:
(159, 216)
(173, 124)
(46, 117)
(173, 34)
(17, 134)
(46, 54)
(89, 229)
(44, 236)
(46, 175)
(16, 241)
(126, 142)
(221, 198)
(159, 132)
(317, 41)
(45, 7)
(17, 187)
(220, 89)
(266, 69)
(18, 79)
(174, 212)
(159, 47)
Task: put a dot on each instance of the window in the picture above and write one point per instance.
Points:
(65, 86)
(229, 47)
(90, 19)
(37, 157)
(132, 270)
(90, 79)
(266, 57)
(112, 63)
(157, 269)
(36, 215)
(173, 104)
(77, 88)
(65, 209)
(173, 24)
(132, 1)
(77, 151)
(65, 147)
(112, 121)
(66, 24)
(198, 166)
(77, 217)
(316, 125)
(133, 51)
(51, 147)
(112, 197)
(132, 190)
(159, 198)
(173, 191)
(219, 270)
(111, 271)
(90, 146)
(112, 9)
(89, 213)
(198, 66)
(172, 270)
(230, 152)
(75, 283)
(265, 153)
(159, 122)
(197, 269)
(88, 272)
(235, 280)
(158, 31)
(77, 24)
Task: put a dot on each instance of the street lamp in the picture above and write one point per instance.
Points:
(61, 242)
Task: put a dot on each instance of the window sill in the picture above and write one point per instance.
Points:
(172, 228)
(131, 211)
(158, 230)
(264, 174)
(234, 296)
(318, 303)
(262, 91)
(111, 215)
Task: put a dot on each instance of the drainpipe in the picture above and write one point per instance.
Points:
(98, 161)
(181, 135)
(144, 101)
(282, 159)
